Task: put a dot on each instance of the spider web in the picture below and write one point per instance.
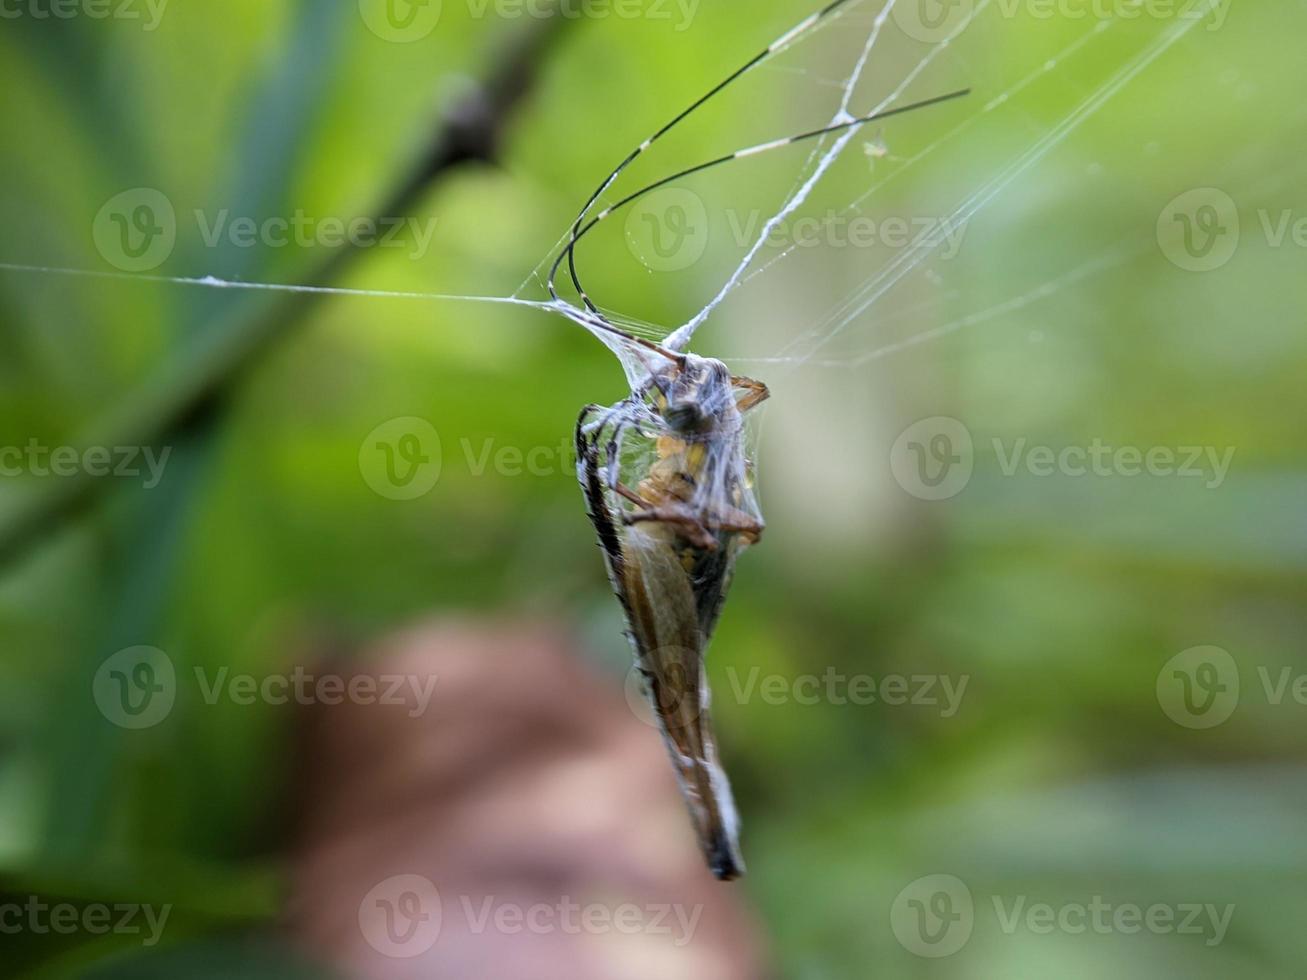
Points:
(1028, 98)
(953, 163)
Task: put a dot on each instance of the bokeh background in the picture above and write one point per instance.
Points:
(1138, 283)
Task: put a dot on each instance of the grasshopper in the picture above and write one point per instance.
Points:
(671, 523)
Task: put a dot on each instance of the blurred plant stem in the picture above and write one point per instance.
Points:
(224, 333)
(193, 387)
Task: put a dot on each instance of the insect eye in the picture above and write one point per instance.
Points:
(684, 416)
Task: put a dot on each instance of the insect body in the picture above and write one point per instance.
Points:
(671, 522)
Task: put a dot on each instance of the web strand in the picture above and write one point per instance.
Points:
(804, 27)
(868, 295)
(213, 282)
(806, 347)
(682, 336)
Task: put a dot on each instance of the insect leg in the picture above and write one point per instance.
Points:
(612, 471)
(621, 408)
(757, 393)
(694, 529)
(588, 475)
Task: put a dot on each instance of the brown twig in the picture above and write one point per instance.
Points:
(193, 389)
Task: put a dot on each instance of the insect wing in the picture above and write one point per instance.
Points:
(671, 600)
(664, 615)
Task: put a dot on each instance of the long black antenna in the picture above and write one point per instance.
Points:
(799, 29)
(579, 232)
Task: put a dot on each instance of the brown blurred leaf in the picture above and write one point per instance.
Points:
(527, 791)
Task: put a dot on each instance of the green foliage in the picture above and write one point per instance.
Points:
(1058, 598)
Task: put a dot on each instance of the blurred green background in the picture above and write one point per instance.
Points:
(1075, 312)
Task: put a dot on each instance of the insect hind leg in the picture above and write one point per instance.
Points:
(586, 442)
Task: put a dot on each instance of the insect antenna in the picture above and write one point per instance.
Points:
(569, 251)
(580, 231)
